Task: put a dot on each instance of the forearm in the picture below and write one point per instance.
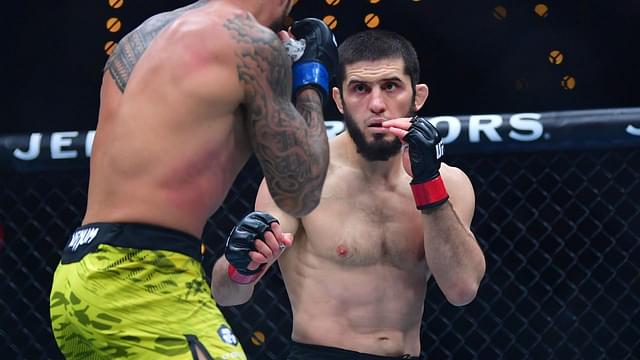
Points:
(224, 290)
(302, 193)
(453, 255)
(309, 105)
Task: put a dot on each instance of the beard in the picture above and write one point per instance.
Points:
(377, 149)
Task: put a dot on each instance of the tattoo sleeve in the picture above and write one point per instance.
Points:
(291, 146)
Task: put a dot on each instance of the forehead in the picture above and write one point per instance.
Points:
(371, 71)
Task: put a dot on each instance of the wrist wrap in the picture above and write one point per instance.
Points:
(429, 194)
(311, 73)
(239, 278)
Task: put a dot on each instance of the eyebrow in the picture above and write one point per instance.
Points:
(357, 81)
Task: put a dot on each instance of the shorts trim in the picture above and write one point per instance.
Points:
(87, 238)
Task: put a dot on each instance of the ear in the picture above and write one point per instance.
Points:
(422, 92)
(335, 92)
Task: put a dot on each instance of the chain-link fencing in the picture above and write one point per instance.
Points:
(560, 232)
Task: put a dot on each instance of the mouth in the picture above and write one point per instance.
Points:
(375, 123)
(377, 128)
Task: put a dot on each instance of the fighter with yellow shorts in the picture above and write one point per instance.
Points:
(159, 306)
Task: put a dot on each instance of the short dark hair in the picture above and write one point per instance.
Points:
(373, 45)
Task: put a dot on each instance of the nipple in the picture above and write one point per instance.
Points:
(342, 250)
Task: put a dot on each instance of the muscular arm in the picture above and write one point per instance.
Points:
(453, 255)
(292, 146)
(229, 293)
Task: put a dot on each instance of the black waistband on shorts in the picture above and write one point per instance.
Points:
(86, 239)
(313, 352)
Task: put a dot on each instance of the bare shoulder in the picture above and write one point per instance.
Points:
(205, 32)
(460, 189)
(132, 46)
(246, 30)
(455, 177)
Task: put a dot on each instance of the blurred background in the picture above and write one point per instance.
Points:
(560, 228)
(481, 56)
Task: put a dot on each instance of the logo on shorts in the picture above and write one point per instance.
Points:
(226, 335)
(82, 237)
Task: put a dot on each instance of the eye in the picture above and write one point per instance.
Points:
(360, 88)
(390, 86)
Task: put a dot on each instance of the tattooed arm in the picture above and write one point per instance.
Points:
(292, 146)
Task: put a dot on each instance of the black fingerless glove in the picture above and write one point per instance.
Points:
(426, 151)
(241, 241)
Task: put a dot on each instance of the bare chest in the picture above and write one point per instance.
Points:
(365, 227)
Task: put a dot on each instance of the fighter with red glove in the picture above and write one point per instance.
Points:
(426, 151)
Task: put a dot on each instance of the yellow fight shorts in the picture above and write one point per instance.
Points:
(134, 291)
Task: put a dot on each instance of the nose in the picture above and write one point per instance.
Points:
(376, 102)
